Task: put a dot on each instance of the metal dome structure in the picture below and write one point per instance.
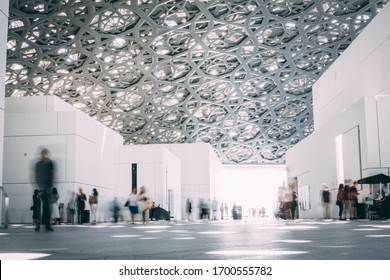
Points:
(236, 74)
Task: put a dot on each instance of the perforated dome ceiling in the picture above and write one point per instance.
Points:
(235, 74)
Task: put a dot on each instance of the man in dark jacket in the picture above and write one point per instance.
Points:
(44, 177)
(294, 205)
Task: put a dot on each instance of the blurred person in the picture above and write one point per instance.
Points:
(189, 209)
(222, 210)
(294, 204)
(340, 200)
(214, 208)
(81, 198)
(253, 212)
(263, 212)
(207, 209)
(226, 211)
(93, 204)
(152, 212)
(353, 194)
(115, 209)
(71, 207)
(132, 203)
(55, 213)
(44, 178)
(201, 208)
(347, 203)
(234, 211)
(144, 202)
(286, 206)
(36, 208)
(325, 200)
(61, 212)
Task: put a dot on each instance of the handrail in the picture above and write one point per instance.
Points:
(4, 205)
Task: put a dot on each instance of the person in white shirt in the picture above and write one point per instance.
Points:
(133, 204)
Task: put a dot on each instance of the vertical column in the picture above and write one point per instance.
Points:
(3, 56)
(133, 176)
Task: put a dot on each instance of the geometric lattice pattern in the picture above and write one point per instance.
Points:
(235, 74)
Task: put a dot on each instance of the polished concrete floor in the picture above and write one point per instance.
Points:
(250, 239)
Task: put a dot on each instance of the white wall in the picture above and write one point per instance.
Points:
(383, 105)
(37, 104)
(157, 169)
(351, 102)
(90, 155)
(317, 160)
(82, 148)
(313, 162)
(200, 169)
(3, 57)
(362, 70)
(172, 179)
